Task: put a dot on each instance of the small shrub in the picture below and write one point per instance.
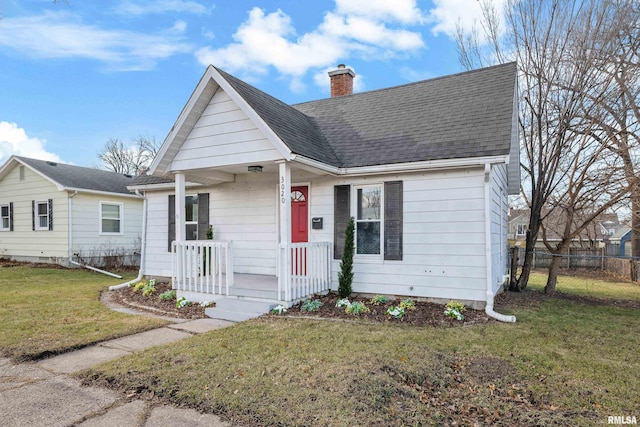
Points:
(345, 276)
(310, 305)
(169, 295)
(139, 285)
(206, 304)
(279, 309)
(454, 310)
(407, 304)
(379, 299)
(182, 302)
(356, 308)
(344, 302)
(397, 312)
(148, 290)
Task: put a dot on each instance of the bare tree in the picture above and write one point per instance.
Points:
(131, 159)
(556, 44)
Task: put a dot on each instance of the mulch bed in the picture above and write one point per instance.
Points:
(130, 298)
(425, 313)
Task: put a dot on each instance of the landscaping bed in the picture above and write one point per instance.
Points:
(424, 313)
(152, 302)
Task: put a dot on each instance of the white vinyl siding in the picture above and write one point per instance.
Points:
(443, 236)
(24, 242)
(499, 224)
(111, 218)
(223, 135)
(87, 239)
(5, 217)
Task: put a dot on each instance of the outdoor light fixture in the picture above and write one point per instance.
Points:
(255, 169)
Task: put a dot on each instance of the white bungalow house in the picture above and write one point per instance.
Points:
(424, 168)
(57, 213)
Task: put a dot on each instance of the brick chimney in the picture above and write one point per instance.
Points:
(341, 81)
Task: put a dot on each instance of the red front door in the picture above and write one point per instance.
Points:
(299, 214)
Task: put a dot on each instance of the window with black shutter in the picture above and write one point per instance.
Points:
(378, 215)
(196, 217)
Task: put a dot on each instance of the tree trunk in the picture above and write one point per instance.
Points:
(550, 287)
(635, 220)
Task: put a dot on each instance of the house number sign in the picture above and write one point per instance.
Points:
(283, 198)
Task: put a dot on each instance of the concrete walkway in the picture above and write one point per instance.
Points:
(42, 394)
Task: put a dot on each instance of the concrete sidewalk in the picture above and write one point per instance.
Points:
(41, 394)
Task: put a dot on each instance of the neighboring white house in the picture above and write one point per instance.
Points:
(424, 168)
(53, 212)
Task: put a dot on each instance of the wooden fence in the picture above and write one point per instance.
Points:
(626, 268)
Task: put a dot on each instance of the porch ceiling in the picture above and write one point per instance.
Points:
(222, 174)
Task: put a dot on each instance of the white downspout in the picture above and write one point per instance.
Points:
(143, 244)
(488, 258)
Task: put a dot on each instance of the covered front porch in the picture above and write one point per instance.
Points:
(203, 270)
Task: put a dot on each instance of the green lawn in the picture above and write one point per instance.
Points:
(48, 311)
(588, 286)
(562, 363)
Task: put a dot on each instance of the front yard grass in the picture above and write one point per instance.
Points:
(47, 311)
(563, 363)
(588, 286)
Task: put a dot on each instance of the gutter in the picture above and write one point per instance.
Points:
(487, 231)
(143, 249)
(70, 232)
(402, 167)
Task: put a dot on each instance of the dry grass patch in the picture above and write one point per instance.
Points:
(46, 311)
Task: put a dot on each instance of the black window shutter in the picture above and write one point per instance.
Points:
(393, 220)
(341, 215)
(172, 220)
(50, 201)
(33, 215)
(203, 215)
(10, 216)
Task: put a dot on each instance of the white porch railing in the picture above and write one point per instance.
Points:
(304, 269)
(202, 266)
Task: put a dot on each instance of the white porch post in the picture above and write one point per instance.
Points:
(284, 201)
(180, 208)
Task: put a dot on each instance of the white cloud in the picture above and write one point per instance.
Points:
(448, 13)
(267, 40)
(15, 141)
(63, 35)
(128, 7)
(405, 11)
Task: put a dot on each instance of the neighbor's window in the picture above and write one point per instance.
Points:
(42, 216)
(522, 229)
(369, 220)
(5, 218)
(110, 218)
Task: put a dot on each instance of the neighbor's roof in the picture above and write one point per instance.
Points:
(79, 178)
(462, 115)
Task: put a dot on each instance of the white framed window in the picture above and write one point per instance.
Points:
(191, 216)
(369, 214)
(5, 217)
(111, 217)
(41, 215)
(521, 230)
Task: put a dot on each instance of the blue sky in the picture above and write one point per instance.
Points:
(74, 74)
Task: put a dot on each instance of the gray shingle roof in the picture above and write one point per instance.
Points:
(458, 116)
(150, 180)
(81, 178)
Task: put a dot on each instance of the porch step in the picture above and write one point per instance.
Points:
(238, 309)
(254, 293)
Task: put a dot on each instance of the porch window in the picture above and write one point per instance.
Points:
(196, 217)
(110, 218)
(6, 217)
(191, 217)
(42, 215)
(369, 220)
